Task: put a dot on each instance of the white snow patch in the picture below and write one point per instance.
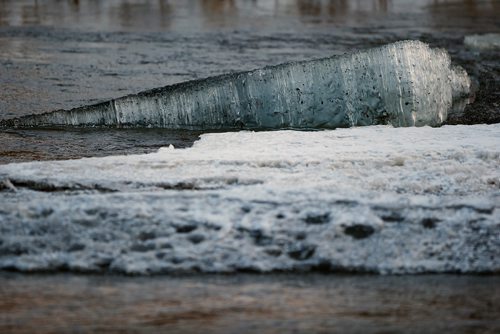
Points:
(382, 199)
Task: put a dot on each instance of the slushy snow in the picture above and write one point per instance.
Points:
(373, 199)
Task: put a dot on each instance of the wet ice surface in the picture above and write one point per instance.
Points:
(401, 84)
(249, 304)
(372, 199)
(66, 55)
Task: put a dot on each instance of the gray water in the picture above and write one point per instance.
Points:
(311, 303)
(72, 143)
(65, 54)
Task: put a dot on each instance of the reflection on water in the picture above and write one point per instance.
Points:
(249, 304)
(211, 7)
(20, 145)
(339, 8)
(193, 14)
(141, 14)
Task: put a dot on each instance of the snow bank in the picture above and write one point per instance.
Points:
(376, 199)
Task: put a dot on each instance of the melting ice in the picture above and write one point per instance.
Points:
(403, 84)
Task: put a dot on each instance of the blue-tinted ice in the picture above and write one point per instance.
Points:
(404, 84)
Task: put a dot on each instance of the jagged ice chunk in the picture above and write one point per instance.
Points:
(403, 84)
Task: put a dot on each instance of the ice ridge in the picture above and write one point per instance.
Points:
(403, 84)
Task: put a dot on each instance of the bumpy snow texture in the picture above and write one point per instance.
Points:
(373, 199)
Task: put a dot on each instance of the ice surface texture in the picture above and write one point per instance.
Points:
(483, 42)
(378, 199)
(402, 84)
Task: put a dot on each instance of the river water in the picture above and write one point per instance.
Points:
(65, 54)
(310, 303)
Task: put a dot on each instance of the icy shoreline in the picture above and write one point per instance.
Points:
(375, 199)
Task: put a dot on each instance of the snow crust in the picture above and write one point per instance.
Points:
(376, 199)
(403, 84)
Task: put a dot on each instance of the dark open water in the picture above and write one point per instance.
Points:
(63, 54)
(309, 303)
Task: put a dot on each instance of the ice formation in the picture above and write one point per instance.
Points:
(402, 84)
(483, 42)
(377, 199)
